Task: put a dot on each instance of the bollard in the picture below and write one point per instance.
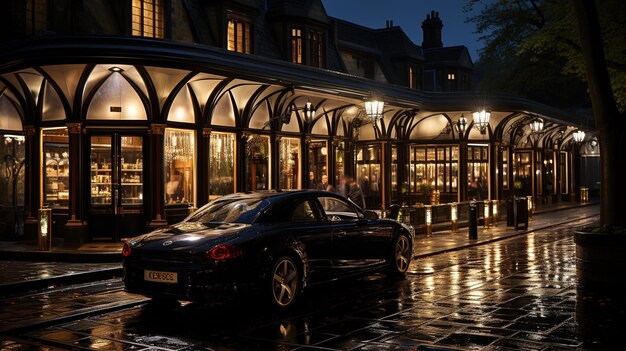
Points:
(453, 217)
(530, 206)
(584, 195)
(473, 220)
(486, 213)
(428, 211)
(494, 211)
(45, 229)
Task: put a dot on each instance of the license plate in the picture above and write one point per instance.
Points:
(161, 277)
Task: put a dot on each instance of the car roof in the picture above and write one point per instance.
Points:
(270, 194)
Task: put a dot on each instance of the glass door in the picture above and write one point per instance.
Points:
(116, 177)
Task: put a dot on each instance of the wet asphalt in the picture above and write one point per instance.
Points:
(509, 290)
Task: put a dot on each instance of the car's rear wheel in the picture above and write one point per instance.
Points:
(402, 255)
(285, 282)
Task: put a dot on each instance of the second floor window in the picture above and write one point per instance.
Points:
(36, 15)
(296, 45)
(239, 35)
(451, 76)
(317, 46)
(148, 18)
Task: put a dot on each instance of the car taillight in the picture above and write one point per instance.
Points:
(224, 252)
(126, 250)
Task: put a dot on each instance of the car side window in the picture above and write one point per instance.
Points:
(338, 210)
(303, 212)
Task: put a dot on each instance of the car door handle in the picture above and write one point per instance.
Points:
(340, 234)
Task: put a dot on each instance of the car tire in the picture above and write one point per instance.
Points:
(401, 255)
(284, 282)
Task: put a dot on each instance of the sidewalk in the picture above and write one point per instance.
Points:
(25, 268)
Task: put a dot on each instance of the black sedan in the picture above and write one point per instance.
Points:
(277, 241)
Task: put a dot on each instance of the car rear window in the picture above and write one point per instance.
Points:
(230, 210)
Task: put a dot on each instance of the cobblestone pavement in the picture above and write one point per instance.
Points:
(514, 294)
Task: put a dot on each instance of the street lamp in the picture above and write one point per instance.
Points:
(461, 124)
(374, 109)
(579, 136)
(481, 120)
(536, 125)
(309, 111)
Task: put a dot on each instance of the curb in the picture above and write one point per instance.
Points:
(67, 279)
(504, 237)
(70, 257)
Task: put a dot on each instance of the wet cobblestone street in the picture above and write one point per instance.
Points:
(515, 294)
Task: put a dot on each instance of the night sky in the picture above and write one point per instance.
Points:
(409, 14)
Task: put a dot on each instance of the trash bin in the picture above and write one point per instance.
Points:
(44, 235)
(517, 212)
(473, 220)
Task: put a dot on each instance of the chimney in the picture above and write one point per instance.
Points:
(432, 31)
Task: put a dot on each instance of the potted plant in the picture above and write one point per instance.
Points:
(426, 190)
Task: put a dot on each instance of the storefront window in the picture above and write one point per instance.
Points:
(368, 175)
(318, 162)
(221, 164)
(179, 166)
(55, 167)
(504, 156)
(522, 172)
(434, 168)
(339, 163)
(478, 172)
(289, 160)
(563, 172)
(394, 174)
(257, 165)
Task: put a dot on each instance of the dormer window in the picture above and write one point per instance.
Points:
(147, 17)
(317, 44)
(296, 45)
(239, 34)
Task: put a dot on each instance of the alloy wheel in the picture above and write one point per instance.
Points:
(284, 281)
(403, 254)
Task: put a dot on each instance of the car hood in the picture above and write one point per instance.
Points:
(187, 235)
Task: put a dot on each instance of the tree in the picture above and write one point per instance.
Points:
(610, 122)
(586, 44)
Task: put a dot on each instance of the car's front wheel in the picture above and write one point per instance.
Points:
(285, 282)
(402, 255)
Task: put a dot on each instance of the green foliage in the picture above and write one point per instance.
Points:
(532, 49)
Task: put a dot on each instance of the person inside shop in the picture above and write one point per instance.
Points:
(354, 192)
(312, 182)
(324, 185)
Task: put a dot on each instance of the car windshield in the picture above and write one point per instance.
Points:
(228, 210)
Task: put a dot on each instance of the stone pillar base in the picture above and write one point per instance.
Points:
(75, 232)
(31, 229)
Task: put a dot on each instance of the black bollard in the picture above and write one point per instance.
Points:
(473, 220)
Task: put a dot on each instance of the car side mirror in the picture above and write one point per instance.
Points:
(371, 215)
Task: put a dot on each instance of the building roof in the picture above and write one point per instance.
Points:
(311, 9)
(451, 56)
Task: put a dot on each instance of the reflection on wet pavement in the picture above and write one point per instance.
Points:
(517, 294)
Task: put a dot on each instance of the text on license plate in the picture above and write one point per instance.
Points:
(162, 277)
